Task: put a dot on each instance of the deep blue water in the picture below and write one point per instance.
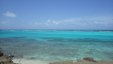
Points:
(58, 44)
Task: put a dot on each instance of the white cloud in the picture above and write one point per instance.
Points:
(10, 14)
(51, 22)
(55, 22)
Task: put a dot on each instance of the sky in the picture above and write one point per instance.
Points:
(56, 14)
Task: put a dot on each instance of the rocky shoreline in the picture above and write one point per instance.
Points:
(86, 60)
(6, 59)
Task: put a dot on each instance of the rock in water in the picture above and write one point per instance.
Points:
(89, 59)
(1, 54)
(5, 59)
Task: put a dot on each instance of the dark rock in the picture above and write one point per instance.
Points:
(1, 54)
(89, 59)
(5, 59)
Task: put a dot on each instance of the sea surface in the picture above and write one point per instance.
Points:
(55, 45)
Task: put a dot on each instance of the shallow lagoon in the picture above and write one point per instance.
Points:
(58, 45)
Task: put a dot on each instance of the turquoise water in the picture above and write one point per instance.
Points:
(58, 44)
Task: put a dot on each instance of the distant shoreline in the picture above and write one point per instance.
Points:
(58, 30)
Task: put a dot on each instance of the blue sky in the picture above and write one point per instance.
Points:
(56, 14)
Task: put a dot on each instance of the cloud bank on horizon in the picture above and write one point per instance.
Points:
(42, 14)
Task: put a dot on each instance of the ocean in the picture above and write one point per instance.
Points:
(57, 45)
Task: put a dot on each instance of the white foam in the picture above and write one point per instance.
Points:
(29, 61)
